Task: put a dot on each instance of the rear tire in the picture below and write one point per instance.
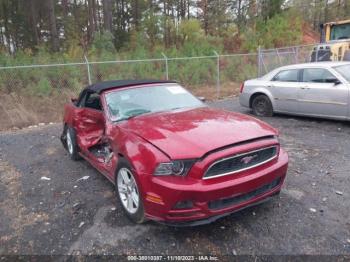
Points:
(71, 143)
(262, 106)
(346, 56)
(128, 192)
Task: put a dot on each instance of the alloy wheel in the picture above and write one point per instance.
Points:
(69, 143)
(261, 106)
(128, 191)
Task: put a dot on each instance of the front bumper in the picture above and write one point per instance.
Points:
(213, 198)
(215, 217)
(244, 99)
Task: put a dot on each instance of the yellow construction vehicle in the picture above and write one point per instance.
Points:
(335, 42)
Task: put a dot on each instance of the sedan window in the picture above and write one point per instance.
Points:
(318, 75)
(344, 70)
(92, 100)
(287, 76)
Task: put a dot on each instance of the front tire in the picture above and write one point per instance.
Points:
(128, 193)
(71, 143)
(262, 106)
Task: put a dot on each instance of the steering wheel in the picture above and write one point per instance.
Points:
(136, 111)
(114, 111)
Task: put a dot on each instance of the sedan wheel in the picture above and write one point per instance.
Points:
(128, 191)
(262, 106)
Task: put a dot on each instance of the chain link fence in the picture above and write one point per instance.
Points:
(43, 79)
(216, 75)
(270, 59)
(199, 74)
(213, 74)
(209, 75)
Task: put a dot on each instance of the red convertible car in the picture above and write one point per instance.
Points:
(172, 158)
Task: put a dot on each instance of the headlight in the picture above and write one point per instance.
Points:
(177, 168)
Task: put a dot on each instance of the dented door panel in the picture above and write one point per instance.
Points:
(89, 125)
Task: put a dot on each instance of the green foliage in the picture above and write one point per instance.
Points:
(270, 8)
(103, 42)
(193, 72)
(190, 31)
(151, 26)
(281, 30)
(238, 68)
(43, 88)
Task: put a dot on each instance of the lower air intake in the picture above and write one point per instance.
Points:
(233, 201)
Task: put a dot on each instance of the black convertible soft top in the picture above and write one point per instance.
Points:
(102, 86)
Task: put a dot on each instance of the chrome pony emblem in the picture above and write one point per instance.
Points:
(247, 159)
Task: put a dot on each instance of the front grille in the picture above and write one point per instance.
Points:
(233, 201)
(241, 162)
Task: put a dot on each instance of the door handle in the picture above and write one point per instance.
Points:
(305, 87)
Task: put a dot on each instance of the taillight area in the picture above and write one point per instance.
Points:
(241, 88)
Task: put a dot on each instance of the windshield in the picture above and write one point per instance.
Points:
(340, 32)
(344, 70)
(124, 104)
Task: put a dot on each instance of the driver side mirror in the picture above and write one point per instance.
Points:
(333, 80)
(74, 100)
(202, 98)
(336, 82)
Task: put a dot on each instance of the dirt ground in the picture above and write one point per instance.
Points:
(18, 110)
(46, 208)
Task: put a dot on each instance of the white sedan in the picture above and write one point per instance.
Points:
(314, 89)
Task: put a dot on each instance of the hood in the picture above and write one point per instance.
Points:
(186, 134)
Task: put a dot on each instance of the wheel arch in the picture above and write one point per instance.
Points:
(261, 92)
(63, 135)
(132, 148)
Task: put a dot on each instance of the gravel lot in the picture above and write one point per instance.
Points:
(65, 215)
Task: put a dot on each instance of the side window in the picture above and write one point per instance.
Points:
(81, 99)
(92, 100)
(318, 75)
(287, 76)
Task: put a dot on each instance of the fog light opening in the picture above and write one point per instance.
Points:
(186, 204)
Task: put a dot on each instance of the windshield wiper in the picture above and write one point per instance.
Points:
(132, 116)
